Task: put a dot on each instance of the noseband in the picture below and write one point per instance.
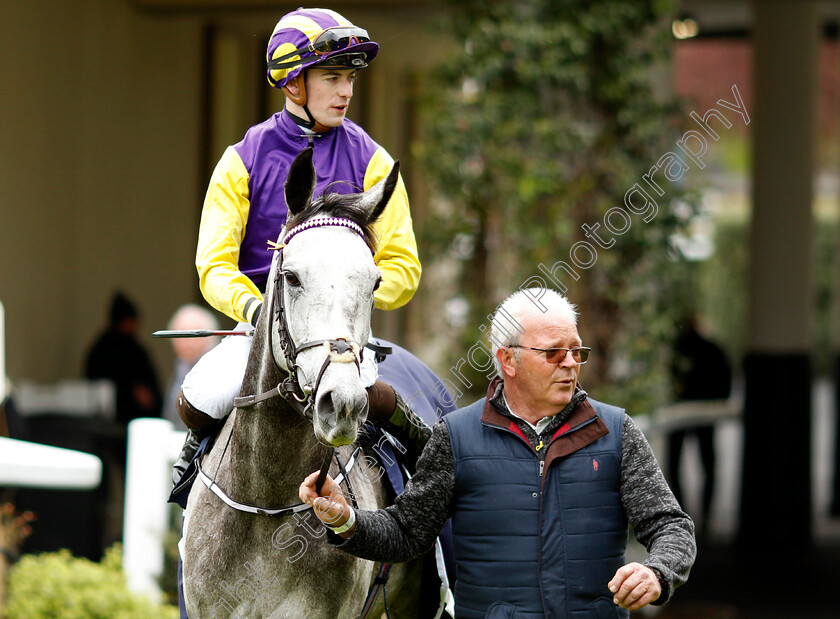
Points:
(338, 350)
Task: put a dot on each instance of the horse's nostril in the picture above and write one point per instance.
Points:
(339, 406)
(325, 407)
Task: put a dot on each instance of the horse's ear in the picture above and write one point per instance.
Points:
(300, 184)
(374, 200)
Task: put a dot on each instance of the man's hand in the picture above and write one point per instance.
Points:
(634, 586)
(330, 506)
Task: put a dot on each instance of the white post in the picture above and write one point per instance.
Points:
(153, 445)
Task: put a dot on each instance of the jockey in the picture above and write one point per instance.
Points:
(314, 56)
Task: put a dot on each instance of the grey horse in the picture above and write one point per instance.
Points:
(249, 549)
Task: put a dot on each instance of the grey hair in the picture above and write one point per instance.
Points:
(506, 326)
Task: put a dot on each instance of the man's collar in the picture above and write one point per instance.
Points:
(495, 403)
(572, 429)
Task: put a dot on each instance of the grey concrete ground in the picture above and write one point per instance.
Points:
(724, 583)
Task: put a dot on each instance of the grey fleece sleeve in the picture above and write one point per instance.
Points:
(659, 523)
(409, 527)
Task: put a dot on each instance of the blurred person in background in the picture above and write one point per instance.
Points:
(116, 355)
(700, 371)
(188, 350)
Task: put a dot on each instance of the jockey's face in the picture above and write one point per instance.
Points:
(328, 94)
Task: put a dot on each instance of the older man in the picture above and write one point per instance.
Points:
(540, 481)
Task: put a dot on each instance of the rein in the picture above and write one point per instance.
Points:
(281, 511)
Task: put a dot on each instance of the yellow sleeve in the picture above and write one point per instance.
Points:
(396, 248)
(222, 228)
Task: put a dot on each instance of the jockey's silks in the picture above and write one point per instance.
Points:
(245, 207)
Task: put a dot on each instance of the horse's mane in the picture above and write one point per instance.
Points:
(336, 205)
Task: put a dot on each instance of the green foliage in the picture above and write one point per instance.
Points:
(540, 124)
(168, 581)
(60, 586)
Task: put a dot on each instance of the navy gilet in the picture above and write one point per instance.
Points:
(528, 546)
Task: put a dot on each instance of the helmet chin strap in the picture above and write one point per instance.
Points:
(300, 99)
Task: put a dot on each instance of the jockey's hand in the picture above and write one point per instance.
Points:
(634, 586)
(329, 506)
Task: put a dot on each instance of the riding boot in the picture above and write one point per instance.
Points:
(387, 410)
(191, 445)
(198, 425)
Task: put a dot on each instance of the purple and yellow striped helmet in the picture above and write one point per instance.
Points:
(308, 37)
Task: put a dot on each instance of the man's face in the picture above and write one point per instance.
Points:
(548, 386)
(328, 94)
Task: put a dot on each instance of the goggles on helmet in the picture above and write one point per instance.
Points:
(329, 41)
(338, 38)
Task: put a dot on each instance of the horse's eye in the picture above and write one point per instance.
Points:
(291, 279)
(377, 284)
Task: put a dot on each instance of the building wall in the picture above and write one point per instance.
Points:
(109, 129)
(98, 173)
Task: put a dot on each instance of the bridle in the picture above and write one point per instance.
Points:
(338, 350)
(301, 397)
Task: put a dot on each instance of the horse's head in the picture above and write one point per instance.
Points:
(322, 286)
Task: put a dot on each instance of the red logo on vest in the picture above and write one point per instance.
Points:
(594, 464)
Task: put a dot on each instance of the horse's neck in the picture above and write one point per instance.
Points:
(272, 444)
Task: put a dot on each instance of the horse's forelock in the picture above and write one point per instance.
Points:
(336, 205)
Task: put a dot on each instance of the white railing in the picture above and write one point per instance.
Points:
(692, 413)
(69, 397)
(688, 414)
(31, 465)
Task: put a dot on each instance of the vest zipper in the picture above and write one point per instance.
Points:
(540, 450)
(541, 456)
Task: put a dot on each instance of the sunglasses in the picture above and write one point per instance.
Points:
(556, 355)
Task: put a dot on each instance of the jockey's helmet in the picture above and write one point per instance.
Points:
(315, 37)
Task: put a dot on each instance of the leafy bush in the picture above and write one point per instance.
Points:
(58, 585)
